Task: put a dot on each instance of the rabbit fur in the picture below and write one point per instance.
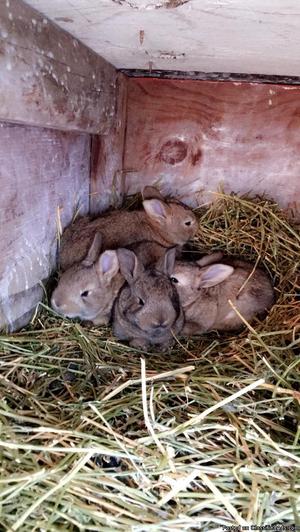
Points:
(205, 291)
(167, 222)
(147, 310)
(87, 290)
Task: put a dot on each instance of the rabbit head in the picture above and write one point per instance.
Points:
(171, 219)
(88, 290)
(189, 278)
(147, 310)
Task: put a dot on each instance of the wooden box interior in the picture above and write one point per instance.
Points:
(76, 133)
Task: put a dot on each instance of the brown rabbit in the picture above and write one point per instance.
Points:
(88, 289)
(147, 310)
(167, 222)
(205, 292)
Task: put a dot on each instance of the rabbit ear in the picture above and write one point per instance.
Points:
(108, 265)
(94, 250)
(156, 209)
(151, 193)
(215, 274)
(130, 266)
(209, 259)
(166, 263)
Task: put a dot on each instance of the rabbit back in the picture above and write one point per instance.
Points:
(250, 291)
(167, 223)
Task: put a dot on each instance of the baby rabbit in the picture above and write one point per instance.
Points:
(88, 290)
(167, 222)
(147, 309)
(204, 293)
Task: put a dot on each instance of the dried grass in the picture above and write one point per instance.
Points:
(96, 437)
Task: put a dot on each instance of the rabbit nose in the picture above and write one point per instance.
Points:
(160, 325)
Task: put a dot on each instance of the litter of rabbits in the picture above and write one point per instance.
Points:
(98, 436)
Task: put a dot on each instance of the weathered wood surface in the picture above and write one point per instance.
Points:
(212, 76)
(48, 77)
(246, 36)
(195, 136)
(44, 176)
(107, 189)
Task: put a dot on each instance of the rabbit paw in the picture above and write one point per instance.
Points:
(139, 344)
(164, 347)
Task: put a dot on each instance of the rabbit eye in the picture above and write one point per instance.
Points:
(85, 293)
(174, 280)
(141, 302)
(188, 223)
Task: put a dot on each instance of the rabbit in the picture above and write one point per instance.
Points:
(167, 222)
(87, 290)
(204, 293)
(147, 310)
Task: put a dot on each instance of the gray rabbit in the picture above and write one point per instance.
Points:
(147, 310)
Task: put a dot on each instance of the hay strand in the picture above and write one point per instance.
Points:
(202, 438)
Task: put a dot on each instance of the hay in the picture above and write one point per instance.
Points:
(94, 437)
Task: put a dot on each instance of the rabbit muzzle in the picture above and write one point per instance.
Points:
(65, 309)
(56, 305)
(159, 327)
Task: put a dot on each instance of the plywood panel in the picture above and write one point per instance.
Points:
(48, 77)
(44, 176)
(249, 36)
(195, 136)
(107, 187)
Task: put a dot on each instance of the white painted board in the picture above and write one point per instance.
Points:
(238, 36)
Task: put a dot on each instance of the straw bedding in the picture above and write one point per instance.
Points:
(98, 436)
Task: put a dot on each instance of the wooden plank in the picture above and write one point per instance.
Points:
(17, 310)
(44, 176)
(48, 77)
(107, 187)
(245, 36)
(211, 76)
(197, 136)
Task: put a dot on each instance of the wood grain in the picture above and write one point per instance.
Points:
(107, 187)
(254, 36)
(193, 137)
(48, 77)
(44, 176)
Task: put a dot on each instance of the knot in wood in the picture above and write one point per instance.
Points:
(173, 151)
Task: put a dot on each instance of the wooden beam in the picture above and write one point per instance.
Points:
(107, 184)
(48, 77)
(211, 76)
(195, 137)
